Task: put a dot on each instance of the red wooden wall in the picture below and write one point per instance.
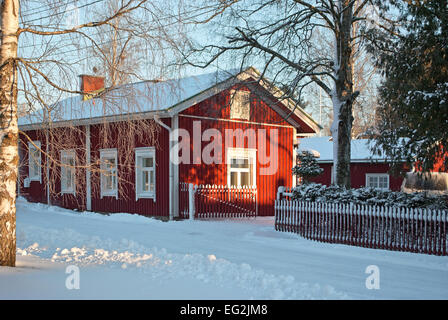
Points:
(126, 201)
(126, 190)
(217, 108)
(214, 108)
(358, 173)
(37, 191)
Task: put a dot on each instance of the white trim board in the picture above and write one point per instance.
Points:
(235, 121)
(141, 152)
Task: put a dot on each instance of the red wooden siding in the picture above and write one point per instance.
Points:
(126, 187)
(126, 190)
(358, 173)
(212, 113)
(218, 107)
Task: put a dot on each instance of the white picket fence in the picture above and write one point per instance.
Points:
(400, 229)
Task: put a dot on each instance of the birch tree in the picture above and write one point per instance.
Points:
(278, 36)
(43, 71)
(9, 157)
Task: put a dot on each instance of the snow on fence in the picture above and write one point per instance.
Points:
(217, 201)
(399, 229)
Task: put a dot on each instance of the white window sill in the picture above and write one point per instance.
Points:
(109, 194)
(146, 196)
(68, 192)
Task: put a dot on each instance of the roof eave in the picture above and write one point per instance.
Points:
(97, 120)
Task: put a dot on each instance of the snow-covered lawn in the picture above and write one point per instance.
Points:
(127, 256)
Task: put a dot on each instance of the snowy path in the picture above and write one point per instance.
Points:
(125, 256)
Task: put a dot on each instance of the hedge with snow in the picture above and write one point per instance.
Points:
(368, 196)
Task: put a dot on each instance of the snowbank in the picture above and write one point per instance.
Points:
(126, 256)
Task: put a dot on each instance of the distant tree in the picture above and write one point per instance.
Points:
(414, 96)
(41, 71)
(279, 36)
(307, 166)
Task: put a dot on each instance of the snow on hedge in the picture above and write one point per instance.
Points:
(368, 196)
(307, 166)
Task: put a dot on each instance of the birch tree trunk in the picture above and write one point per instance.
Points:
(343, 97)
(9, 157)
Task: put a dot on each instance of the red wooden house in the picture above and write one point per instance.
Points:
(366, 169)
(369, 170)
(223, 128)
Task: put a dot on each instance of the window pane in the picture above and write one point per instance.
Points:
(110, 163)
(68, 179)
(147, 162)
(145, 181)
(108, 182)
(35, 169)
(35, 155)
(244, 178)
(239, 163)
(233, 178)
(114, 180)
(34, 163)
(151, 181)
(383, 182)
(240, 104)
(372, 182)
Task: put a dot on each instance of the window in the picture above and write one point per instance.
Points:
(145, 173)
(68, 171)
(241, 167)
(109, 175)
(34, 161)
(377, 180)
(240, 104)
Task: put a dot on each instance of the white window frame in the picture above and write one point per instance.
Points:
(108, 154)
(241, 153)
(149, 152)
(67, 154)
(378, 175)
(34, 176)
(239, 109)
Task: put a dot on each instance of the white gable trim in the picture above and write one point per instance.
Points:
(183, 105)
(241, 77)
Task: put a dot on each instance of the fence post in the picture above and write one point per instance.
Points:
(280, 191)
(191, 200)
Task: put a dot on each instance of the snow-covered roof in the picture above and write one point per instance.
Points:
(146, 98)
(360, 149)
(140, 97)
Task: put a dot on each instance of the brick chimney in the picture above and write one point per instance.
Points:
(91, 85)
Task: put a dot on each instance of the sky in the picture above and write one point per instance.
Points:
(74, 55)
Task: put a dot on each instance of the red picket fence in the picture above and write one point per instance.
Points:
(212, 201)
(398, 229)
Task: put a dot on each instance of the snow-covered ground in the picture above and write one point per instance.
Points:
(132, 257)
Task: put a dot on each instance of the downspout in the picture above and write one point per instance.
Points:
(88, 183)
(47, 167)
(171, 168)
